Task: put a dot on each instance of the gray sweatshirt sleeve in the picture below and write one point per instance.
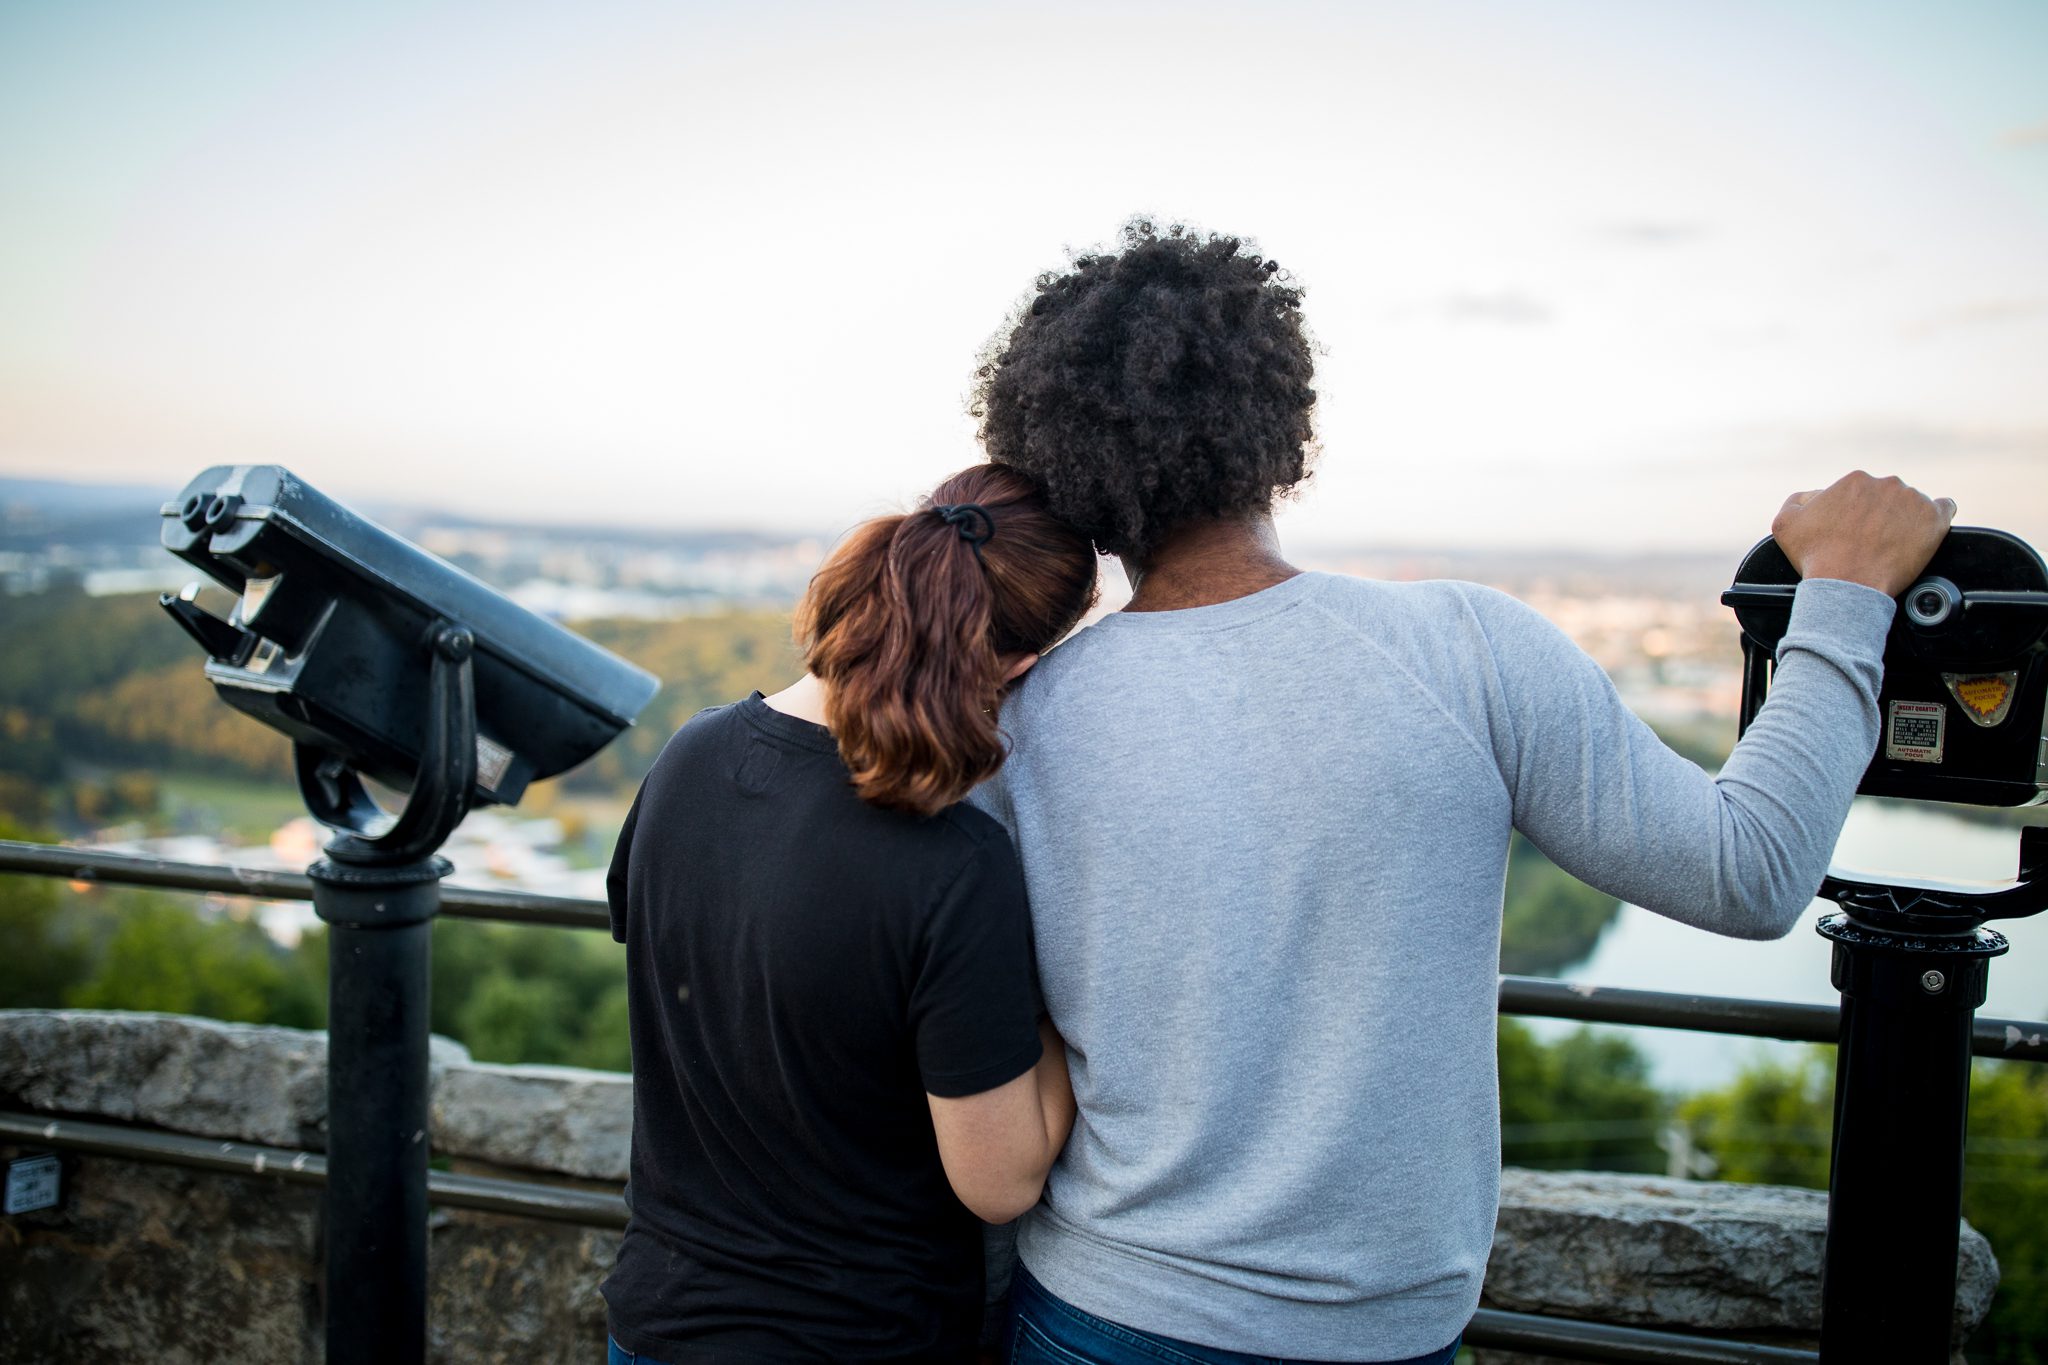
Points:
(1740, 854)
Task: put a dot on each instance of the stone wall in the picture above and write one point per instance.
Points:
(147, 1261)
(1741, 1261)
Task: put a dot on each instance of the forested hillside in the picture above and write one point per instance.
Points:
(101, 696)
(105, 717)
(112, 682)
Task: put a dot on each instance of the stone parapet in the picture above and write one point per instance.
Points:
(256, 1083)
(247, 1082)
(558, 1119)
(1741, 1261)
(161, 1263)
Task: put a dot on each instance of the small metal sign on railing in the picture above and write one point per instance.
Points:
(34, 1182)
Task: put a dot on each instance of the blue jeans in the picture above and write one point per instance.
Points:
(1046, 1330)
(616, 1354)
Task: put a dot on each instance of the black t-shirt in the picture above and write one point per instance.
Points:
(802, 968)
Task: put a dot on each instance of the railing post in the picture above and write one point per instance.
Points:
(375, 1214)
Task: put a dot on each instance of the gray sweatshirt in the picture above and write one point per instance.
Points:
(1265, 843)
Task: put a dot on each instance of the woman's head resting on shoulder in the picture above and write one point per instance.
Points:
(915, 623)
(1147, 388)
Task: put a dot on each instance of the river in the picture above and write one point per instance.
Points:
(1650, 952)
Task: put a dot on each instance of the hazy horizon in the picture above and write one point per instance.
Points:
(426, 513)
(1589, 274)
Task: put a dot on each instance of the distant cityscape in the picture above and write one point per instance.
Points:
(105, 539)
(1654, 622)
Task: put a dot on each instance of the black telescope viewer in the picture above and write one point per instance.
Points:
(1963, 717)
(379, 660)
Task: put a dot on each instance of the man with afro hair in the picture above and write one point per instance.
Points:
(1264, 819)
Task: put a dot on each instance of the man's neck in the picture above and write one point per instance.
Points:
(1208, 562)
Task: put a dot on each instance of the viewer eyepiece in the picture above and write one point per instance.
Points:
(1931, 602)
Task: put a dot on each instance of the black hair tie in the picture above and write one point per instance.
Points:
(971, 520)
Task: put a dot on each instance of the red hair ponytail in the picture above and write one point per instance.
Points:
(909, 620)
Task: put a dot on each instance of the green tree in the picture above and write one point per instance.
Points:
(520, 993)
(605, 1044)
(23, 802)
(1551, 919)
(2005, 1195)
(462, 956)
(161, 956)
(42, 955)
(1584, 1102)
(304, 994)
(40, 960)
(1772, 1125)
(510, 1019)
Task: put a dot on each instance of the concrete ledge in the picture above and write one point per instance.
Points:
(176, 1265)
(1719, 1259)
(257, 1083)
(189, 1075)
(547, 1118)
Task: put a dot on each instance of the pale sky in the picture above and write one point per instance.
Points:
(1583, 274)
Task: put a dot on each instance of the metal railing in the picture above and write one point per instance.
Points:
(2007, 1039)
(1490, 1329)
(526, 1198)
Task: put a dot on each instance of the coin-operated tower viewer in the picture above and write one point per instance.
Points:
(1963, 717)
(378, 660)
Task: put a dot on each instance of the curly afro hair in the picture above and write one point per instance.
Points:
(1161, 384)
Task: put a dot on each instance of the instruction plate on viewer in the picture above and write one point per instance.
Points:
(1914, 730)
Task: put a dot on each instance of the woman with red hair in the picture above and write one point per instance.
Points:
(839, 1062)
